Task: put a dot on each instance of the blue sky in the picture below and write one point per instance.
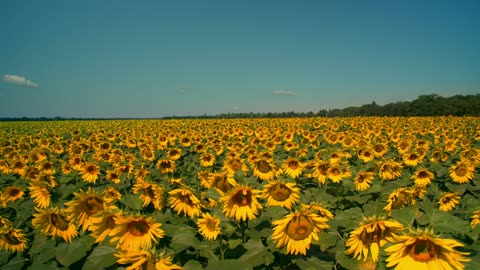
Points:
(162, 58)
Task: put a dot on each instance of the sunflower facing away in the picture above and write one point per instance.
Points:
(85, 205)
(281, 193)
(133, 233)
(208, 226)
(149, 193)
(12, 240)
(53, 222)
(372, 234)
(296, 231)
(182, 200)
(241, 203)
(461, 172)
(145, 260)
(448, 201)
(422, 250)
(40, 195)
(399, 198)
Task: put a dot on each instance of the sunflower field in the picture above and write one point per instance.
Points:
(296, 193)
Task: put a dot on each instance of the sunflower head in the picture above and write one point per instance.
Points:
(241, 203)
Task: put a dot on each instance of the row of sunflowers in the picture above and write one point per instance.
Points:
(310, 193)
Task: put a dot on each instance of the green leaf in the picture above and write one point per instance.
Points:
(313, 263)
(132, 201)
(448, 223)
(327, 240)
(4, 256)
(228, 264)
(45, 249)
(257, 253)
(193, 265)
(101, 257)
(183, 238)
(37, 265)
(234, 243)
(16, 263)
(460, 189)
(38, 244)
(346, 261)
(64, 179)
(405, 215)
(73, 252)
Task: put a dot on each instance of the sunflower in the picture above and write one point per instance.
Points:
(264, 169)
(13, 240)
(166, 166)
(40, 195)
(412, 159)
(292, 167)
(390, 170)
(320, 170)
(296, 231)
(103, 223)
(371, 234)
(207, 160)
(209, 227)
(365, 155)
(53, 222)
(141, 173)
(112, 193)
(174, 153)
(241, 203)
(363, 180)
(281, 193)
(145, 260)
(422, 250)
(399, 198)
(221, 182)
(149, 193)
(334, 173)
(462, 172)
(90, 172)
(67, 168)
(234, 164)
(183, 200)
(475, 219)
(11, 194)
(85, 205)
(448, 201)
(135, 232)
(76, 162)
(4, 167)
(422, 177)
(319, 209)
(113, 176)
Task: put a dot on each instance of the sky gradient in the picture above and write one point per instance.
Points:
(145, 59)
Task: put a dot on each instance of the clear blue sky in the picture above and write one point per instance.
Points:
(161, 58)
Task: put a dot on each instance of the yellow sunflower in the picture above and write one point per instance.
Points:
(207, 160)
(90, 172)
(319, 209)
(293, 167)
(241, 203)
(422, 250)
(448, 201)
(462, 172)
(390, 170)
(281, 193)
(174, 153)
(40, 195)
(149, 193)
(11, 194)
(296, 231)
(363, 180)
(135, 232)
(399, 198)
(166, 166)
(103, 223)
(475, 219)
(371, 234)
(145, 260)
(264, 169)
(53, 222)
(412, 159)
(234, 164)
(422, 177)
(84, 206)
(4, 167)
(113, 176)
(111, 193)
(320, 170)
(12, 240)
(209, 226)
(335, 173)
(183, 200)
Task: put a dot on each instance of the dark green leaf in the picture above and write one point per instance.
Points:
(257, 253)
(228, 264)
(313, 263)
(101, 257)
(405, 215)
(327, 240)
(193, 265)
(183, 238)
(132, 201)
(73, 252)
(16, 263)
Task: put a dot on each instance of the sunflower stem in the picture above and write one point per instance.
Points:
(222, 251)
(244, 228)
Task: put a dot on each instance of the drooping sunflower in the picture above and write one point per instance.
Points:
(209, 226)
(183, 200)
(281, 193)
(135, 232)
(149, 193)
(12, 240)
(85, 205)
(90, 172)
(399, 198)
(319, 209)
(241, 203)
(422, 177)
(390, 170)
(449, 201)
(145, 260)
(462, 172)
(166, 166)
(264, 169)
(292, 167)
(53, 222)
(475, 219)
(221, 182)
(422, 250)
(372, 233)
(40, 195)
(363, 180)
(296, 231)
(103, 223)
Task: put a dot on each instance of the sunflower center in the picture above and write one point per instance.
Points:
(263, 166)
(412, 156)
(361, 178)
(138, 227)
(293, 165)
(299, 228)
(58, 221)
(236, 165)
(461, 171)
(422, 174)
(92, 205)
(165, 165)
(335, 171)
(110, 222)
(378, 148)
(10, 238)
(280, 192)
(373, 236)
(149, 192)
(242, 198)
(91, 169)
(14, 192)
(423, 250)
(366, 154)
(211, 225)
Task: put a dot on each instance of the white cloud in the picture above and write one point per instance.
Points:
(18, 80)
(283, 93)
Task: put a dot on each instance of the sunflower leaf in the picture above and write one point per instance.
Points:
(460, 189)
(313, 263)
(228, 264)
(327, 240)
(68, 254)
(447, 223)
(101, 257)
(183, 238)
(193, 265)
(405, 215)
(257, 253)
(132, 201)
(15, 263)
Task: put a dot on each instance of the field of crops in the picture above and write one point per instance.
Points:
(301, 193)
